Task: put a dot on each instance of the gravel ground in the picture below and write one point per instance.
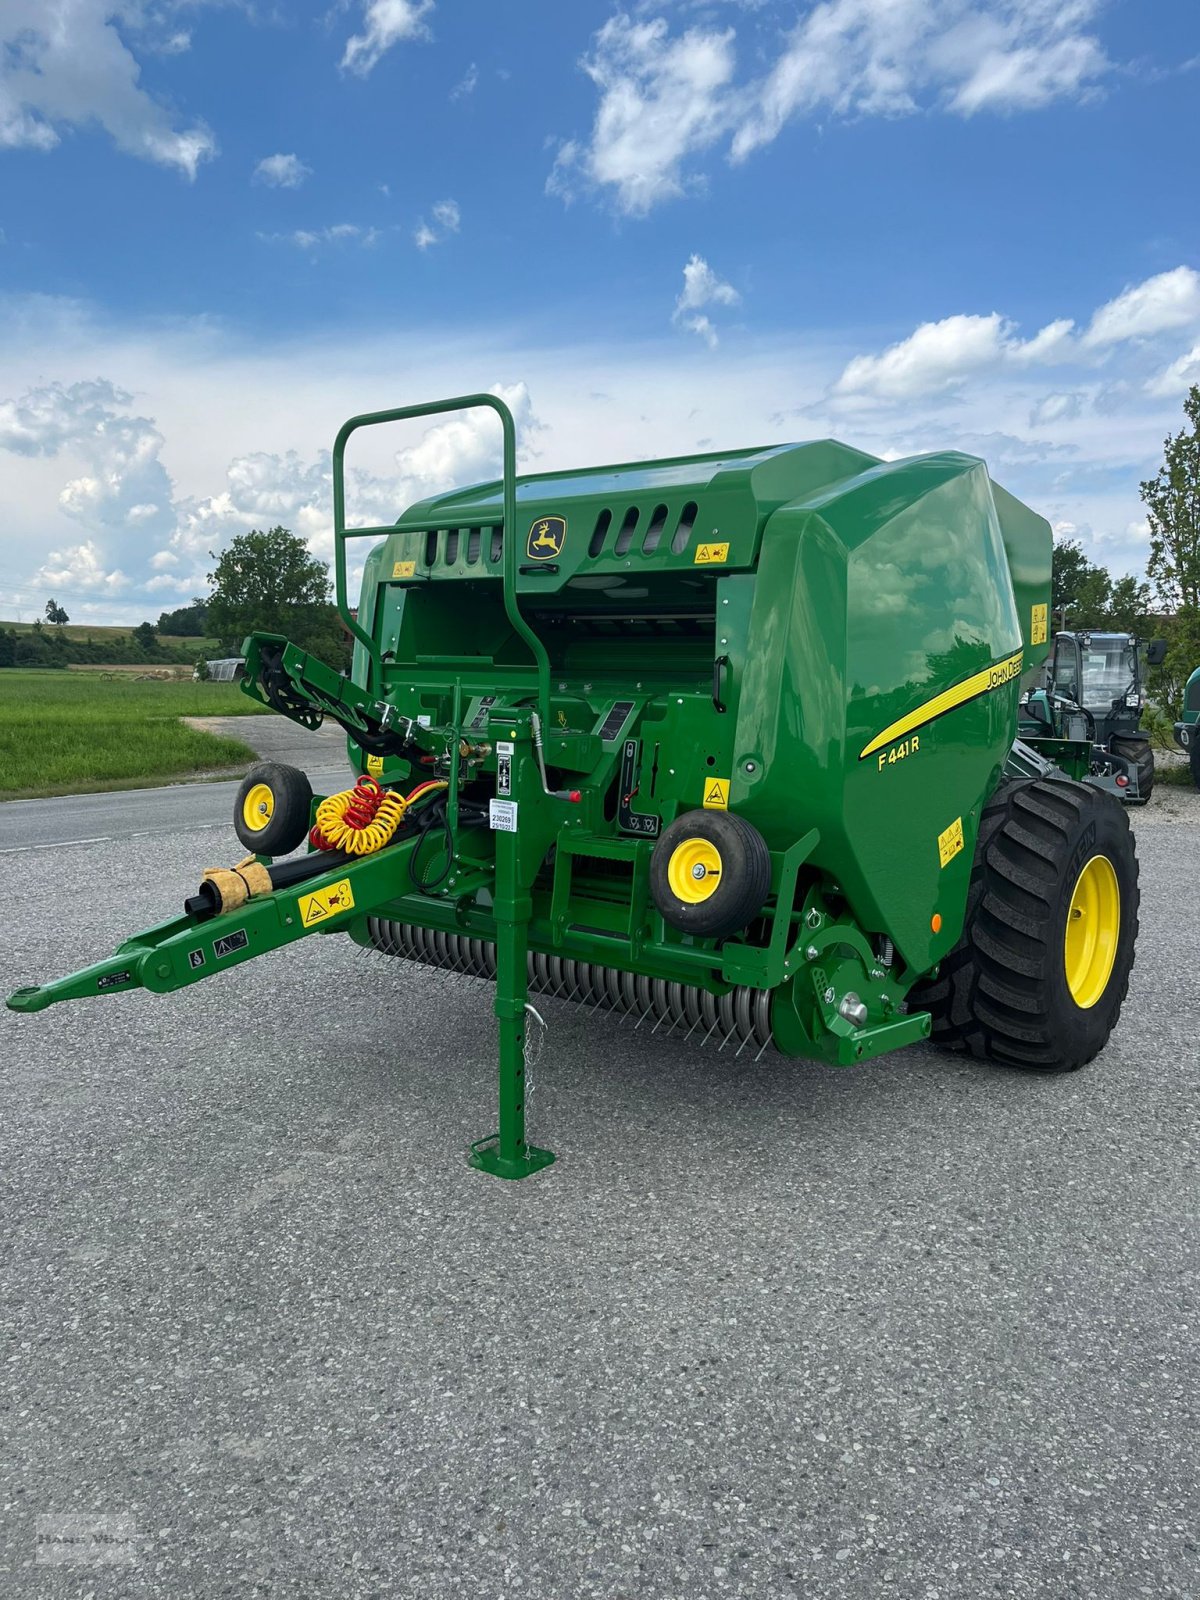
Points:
(917, 1329)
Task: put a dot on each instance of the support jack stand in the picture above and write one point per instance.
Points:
(527, 1159)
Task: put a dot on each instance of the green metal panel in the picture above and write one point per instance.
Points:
(871, 602)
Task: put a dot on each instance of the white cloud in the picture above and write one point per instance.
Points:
(63, 63)
(660, 101)
(80, 570)
(940, 356)
(266, 488)
(385, 23)
(666, 99)
(315, 238)
(702, 325)
(702, 287)
(244, 427)
(447, 218)
(467, 84)
(1178, 377)
(1055, 408)
(123, 495)
(1161, 304)
(937, 357)
(282, 171)
(447, 215)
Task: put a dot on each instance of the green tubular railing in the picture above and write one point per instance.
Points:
(341, 533)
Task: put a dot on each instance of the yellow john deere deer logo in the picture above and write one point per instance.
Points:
(546, 538)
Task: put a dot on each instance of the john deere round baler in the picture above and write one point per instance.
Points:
(725, 742)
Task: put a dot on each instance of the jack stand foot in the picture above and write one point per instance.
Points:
(485, 1157)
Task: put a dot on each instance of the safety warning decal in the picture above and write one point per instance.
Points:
(325, 903)
(404, 569)
(716, 794)
(195, 959)
(950, 842)
(710, 555)
(375, 765)
(230, 944)
(1037, 625)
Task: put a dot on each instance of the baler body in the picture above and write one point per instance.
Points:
(755, 623)
(603, 695)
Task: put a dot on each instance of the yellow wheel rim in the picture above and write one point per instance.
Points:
(258, 807)
(1093, 928)
(694, 871)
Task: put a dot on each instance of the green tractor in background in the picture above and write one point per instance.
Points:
(1095, 690)
(1187, 729)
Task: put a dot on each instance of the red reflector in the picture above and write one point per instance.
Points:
(574, 796)
(1122, 781)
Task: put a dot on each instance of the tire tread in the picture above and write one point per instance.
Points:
(992, 996)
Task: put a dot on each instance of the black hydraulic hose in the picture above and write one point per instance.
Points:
(206, 902)
(285, 873)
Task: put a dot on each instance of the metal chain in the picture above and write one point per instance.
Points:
(535, 1045)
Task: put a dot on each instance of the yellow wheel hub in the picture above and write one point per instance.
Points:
(694, 871)
(1093, 928)
(258, 807)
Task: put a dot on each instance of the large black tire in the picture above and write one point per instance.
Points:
(1194, 757)
(271, 811)
(1139, 752)
(710, 873)
(1003, 994)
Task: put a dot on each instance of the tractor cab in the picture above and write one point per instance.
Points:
(1095, 689)
(1104, 674)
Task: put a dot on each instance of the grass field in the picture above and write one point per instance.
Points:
(70, 732)
(82, 631)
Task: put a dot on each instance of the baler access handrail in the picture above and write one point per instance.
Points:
(341, 533)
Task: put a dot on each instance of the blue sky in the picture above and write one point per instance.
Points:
(906, 223)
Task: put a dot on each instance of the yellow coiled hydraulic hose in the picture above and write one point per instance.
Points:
(363, 819)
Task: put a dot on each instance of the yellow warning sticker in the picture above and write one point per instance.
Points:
(710, 555)
(375, 765)
(325, 903)
(404, 569)
(716, 794)
(1037, 625)
(950, 842)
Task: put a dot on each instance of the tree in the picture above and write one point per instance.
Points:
(1085, 595)
(191, 620)
(1069, 572)
(1172, 499)
(270, 583)
(55, 613)
(1080, 592)
(1128, 609)
(144, 636)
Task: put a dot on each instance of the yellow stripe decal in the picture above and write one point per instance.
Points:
(949, 699)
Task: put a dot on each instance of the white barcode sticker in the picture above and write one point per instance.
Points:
(502, 816)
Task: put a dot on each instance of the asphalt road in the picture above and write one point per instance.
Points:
(917, 1329)
(87, 819)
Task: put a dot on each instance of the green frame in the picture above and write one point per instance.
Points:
(341, 533)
